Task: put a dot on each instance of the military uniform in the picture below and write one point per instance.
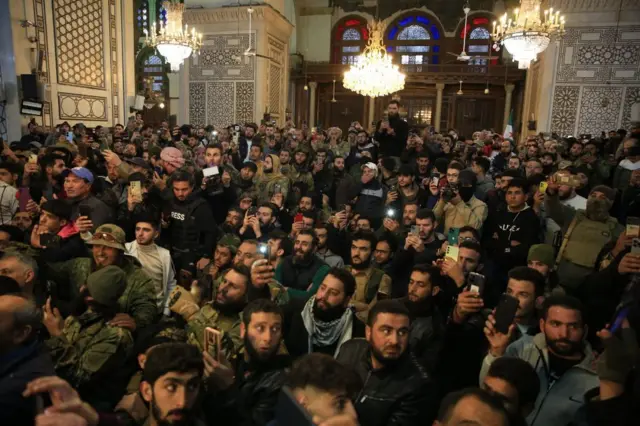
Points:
(89, 349)
(138, 299)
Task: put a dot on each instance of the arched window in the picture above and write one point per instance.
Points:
(142, 18)
(154, 71)
(350, 36)
(414, 41)
(478, 40)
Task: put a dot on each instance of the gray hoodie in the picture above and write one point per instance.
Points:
(558, 401)
(482, 187)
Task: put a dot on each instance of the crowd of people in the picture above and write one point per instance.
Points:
(257, 275)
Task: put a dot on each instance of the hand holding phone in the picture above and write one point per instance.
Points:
(505, 313)
(212, 342)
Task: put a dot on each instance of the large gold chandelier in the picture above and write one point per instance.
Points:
(374, 73)
(173, 41)
(527, 31)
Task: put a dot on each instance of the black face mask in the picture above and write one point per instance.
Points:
(466, 192)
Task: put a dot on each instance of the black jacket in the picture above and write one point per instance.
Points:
(252, 398)
(399, 395)
(295, 334)
(371, 198)
(299, 276)
(393, 145)
(426, 335)
(16, 370)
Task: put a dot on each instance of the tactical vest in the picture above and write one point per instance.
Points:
(585, 238)
(184, 232)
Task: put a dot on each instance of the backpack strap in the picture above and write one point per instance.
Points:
(374, 284)
(576, 219)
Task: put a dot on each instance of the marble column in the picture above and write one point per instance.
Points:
(508, 88)
(312, 103)
(438, 116)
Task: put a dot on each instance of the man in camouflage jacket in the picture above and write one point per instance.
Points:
(86, 349)
(137, 305)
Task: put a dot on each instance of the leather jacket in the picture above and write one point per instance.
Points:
(402, 394)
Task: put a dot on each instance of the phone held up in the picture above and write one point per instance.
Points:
(505, 313)
(212, 342)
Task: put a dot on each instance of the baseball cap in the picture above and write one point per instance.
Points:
(81, 172)
(108, 235)
(371, 166)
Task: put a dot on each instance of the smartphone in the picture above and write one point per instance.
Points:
(265, 249)
(452, 237)
(391, 213)
(33, 159)
(543, 187)
(452, 252)
(70, 136)
(210, 171)
(415, 230)
(618, 318)
(342, 208)
(505, 313)
(23, 198)
(136, 190)
(212, 342)
(289, 412)
(475, 283)
(185, 278)
(633, 226)
(298, 218)
(49, 240)
(84, 210)
(252, 211)
(635, 246)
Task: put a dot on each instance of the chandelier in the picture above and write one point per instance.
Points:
(374, 74)
(527, 32)
(172, 41)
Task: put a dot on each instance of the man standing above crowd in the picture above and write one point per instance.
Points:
(393, 132)
(302, 272)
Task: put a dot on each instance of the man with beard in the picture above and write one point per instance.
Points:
(363, 148)
(427, 324)
(246, 141)
(325, 321)
(302, 272)
(137, 305)
(420, 248)
(233, 221)
(85, 348)
(51, 180)
(370, 193)
(393, 132)
(407, 191)
(463, 208)
(155, 260)
(423, 169)
(339, 183)
(271, 181)
(559, 354)
(397, 390)
(260, 370)
(330, 258)
(77, 185)
(223, 313)
(258, 227)
(285, 161)
(244, 183)
(480, 166)
(501, 161)
(171, 382)
(191, 233)
(371, 283)
(585, 232)
(299, 170)
(384, 253)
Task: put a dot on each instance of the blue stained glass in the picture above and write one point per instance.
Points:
(414, 32)
(479, 33)
(436, 49)
(153, 60)
(389, 49)
(393, 32)
(435, 32)
(423, 20)
(406, 21)
(478, 48)
(435, 60)
(412, 48)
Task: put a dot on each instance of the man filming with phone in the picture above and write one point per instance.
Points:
(87, 210)
(559, 354)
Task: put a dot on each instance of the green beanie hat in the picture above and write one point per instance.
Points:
(106, 285)
(231, 241)
(542, 253)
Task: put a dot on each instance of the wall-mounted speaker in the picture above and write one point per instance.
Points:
(29, 85)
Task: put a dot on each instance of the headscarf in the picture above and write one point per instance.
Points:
(275, 171)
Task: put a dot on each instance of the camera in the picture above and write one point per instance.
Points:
(212, 181)
(391, 213)
(449, 192)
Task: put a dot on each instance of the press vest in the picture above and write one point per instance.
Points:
(184, 232)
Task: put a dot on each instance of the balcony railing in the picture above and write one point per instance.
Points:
(322, 71)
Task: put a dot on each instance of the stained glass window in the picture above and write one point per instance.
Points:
(351, 49)
(479, 33)
(351, 34)
(414, 32)
(478, 48)
(412, 49)
(142, 16)
(162, 15)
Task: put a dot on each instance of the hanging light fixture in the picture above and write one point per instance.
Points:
(374, 73)
(486, 89)
(528, 31)
(460, 92)
(171, 40)
(333, 98)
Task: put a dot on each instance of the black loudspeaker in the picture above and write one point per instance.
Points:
(29, 86)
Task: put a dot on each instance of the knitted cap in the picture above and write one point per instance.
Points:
(610, 193)
(542, 253)
(106, 285)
